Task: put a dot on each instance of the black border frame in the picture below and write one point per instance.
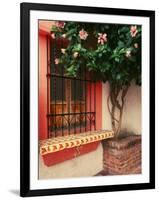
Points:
(25, 9)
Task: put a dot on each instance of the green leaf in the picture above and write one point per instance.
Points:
(117, 59)
(77, 47)
(100, 55)
(54, 29)
(122, 51)
(121, 44)
(124, 29)
(132, 59)
(107, 61)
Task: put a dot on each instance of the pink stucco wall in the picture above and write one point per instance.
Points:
(42, 87)
(95, 90)
(98, 106)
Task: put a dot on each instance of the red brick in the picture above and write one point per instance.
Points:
(123, 156)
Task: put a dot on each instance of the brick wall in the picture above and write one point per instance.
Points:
(122, 156)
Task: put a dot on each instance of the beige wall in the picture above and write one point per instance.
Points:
(132, 110)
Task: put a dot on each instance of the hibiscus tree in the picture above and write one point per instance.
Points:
(112, 52)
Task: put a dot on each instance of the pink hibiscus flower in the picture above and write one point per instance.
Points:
(64, 35)
(56, 61)
(102, 38)
(128, 53)
(53, 35)
(133, 31)
(136, 45)
(60, 24)
(83, 34)
(63, 51)
(75, 54)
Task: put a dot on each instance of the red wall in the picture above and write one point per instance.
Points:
(98, 106)
(42, 86)
(97, 89)
(43, 91)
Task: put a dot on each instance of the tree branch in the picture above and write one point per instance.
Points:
(115, 92)
(124, 92)
(108, 99)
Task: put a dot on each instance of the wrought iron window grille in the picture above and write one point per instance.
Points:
(71, 101)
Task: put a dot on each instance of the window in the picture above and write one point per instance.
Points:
(71, 101)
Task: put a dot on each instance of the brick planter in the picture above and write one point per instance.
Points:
(122, 156)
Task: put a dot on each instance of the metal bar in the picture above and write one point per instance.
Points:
(95, 105)
(90, 105)
(55, 54)
(74, 104)
(48, 100)
(69, 104)
(80, 97)
(68, 77)
(85, 101)
(76, 113)
(62, 95)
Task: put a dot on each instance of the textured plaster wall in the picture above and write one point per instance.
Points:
(132, 110)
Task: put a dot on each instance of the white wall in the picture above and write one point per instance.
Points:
(132, 110)
(9, 100)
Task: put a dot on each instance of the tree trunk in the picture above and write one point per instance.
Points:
(117, 99)
(113, 118)
(120, 122)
